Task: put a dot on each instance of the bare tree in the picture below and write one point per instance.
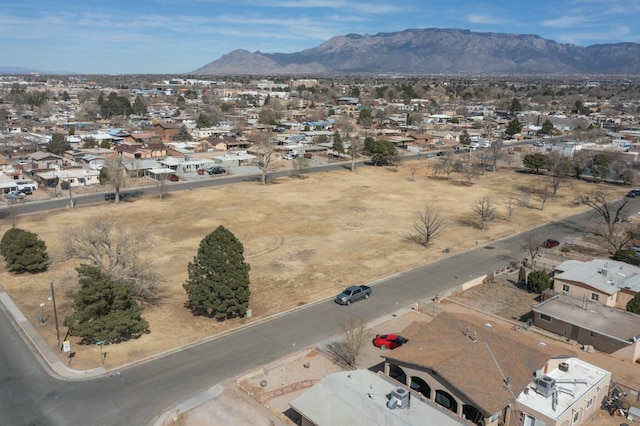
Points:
(354, 143)
(161, 185)
(543, 194)
(116, 173)
(354, 333)
(559, 167)
(484, 210)
(428, 226)
(105, 243)
(610, 213)
(301, 166)
(413, 169)
(532, 243)
(509, 204)
(445, 165)
(266, 156)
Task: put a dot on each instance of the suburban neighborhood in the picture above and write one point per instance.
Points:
(570, 357)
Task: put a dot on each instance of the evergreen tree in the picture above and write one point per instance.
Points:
(515, 105)
(23, 251)
(538, 281)
(514, 127)
(139, 108)
(465, 139)
(600, 166)
(203, 120)
(338, 146)
(218, 284)
(58, 144)
(633, 305)
(547, 128)
(535, 161)
(182, 135)
(104, 310)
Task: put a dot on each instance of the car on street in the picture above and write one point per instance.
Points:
(216, 170)
(549, 243)
(538, 143)
(15, 195)
(173, 177)
(634, 193)
(353, 293)
(201, 171)
(388, 341)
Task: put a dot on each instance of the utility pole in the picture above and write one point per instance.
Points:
(55, 316)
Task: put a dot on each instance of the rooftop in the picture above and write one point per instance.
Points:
(607, 276)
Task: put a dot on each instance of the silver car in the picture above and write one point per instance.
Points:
(15, 195)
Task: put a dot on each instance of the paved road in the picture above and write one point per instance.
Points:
(134, 396)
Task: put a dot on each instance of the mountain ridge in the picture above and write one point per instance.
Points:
(436, 51)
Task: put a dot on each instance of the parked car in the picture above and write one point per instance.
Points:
(217, 170)
(440, 154)
(288, 157)
(550, 243)
(389, 341)
(201, 171)
(538, 143)
(353, 293)
(15, 195)
(173, 177)
(111, 196)
(27, 190)
(634, 193)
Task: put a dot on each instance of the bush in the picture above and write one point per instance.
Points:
(634, 304)
(627, 256)
(538, 281)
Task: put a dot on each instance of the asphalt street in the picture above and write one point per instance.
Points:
(29, 395)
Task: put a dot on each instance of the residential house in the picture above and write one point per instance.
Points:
(364, 398)
(142, 138)
(166, 131)
(228, 143)
(461, 362)
(605, 328)
(567, 391)
(604, 281)
(475, 369)
(44, 160)
(73, 177)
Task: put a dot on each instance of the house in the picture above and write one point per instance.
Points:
(44, 160)
(605, 328)
(476, 369)
(364, 398)
(567, 392)
(74, 177)
(604, 281)
(166, 131)
(461, 362)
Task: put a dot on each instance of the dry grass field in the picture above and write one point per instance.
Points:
(305, 240)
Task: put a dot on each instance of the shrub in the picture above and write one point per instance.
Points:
(23, 251)
(538, 281)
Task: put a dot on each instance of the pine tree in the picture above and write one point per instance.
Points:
(338, 146)
(104, 310)
(23, 251)
(634, 304)
(218, 284)
(538, 281)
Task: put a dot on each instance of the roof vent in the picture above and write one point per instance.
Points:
(564, 366)
(545, 385)
(399, 398)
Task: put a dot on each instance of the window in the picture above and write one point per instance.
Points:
(593, 334)
(576, 417)
(544, 317)
(590, 403)
(565, 287)
(594, 297)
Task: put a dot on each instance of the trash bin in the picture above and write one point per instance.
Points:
(446, 250)
(249, 313)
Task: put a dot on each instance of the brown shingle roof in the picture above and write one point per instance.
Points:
(445, 345)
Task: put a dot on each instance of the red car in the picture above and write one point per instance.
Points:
(389, 341)
(550, 243)
(201, 171)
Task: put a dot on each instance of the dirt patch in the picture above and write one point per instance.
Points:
(305, 240)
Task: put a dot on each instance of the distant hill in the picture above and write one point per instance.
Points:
(436, 51)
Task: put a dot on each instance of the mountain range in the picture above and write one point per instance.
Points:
(436, 51)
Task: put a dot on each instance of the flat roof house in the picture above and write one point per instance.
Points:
(604, 281)
(606, 328)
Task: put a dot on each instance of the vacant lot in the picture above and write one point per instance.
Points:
(305, 239)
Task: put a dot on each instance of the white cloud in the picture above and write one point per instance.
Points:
(483, 19)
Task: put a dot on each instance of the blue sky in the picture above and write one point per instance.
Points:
(179, 36)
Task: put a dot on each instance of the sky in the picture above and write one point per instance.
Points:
(180, 36)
